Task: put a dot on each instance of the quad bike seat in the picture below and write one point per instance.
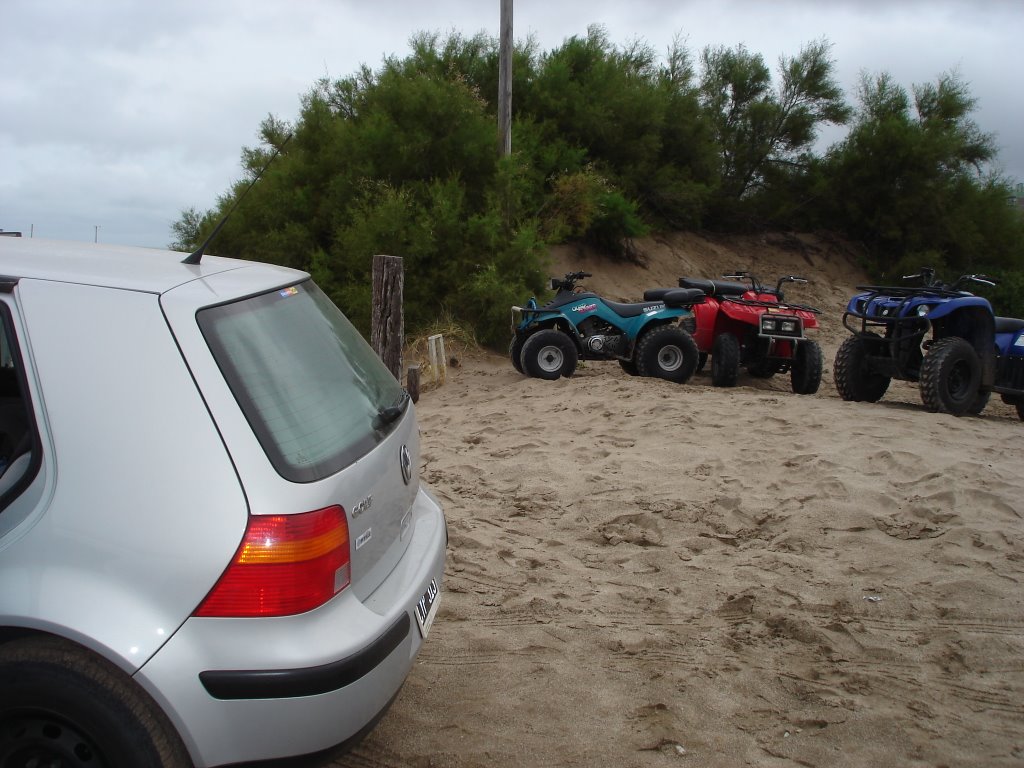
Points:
(1003, 324)
(675, 297)
(714, 287)
(632, 309)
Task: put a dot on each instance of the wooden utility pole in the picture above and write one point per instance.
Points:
(505, 81)
(386, 324)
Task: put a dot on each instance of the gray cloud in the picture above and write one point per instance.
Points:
(120, 114)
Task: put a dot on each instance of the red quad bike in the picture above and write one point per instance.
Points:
(751, 325)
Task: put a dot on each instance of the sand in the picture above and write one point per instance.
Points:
(644, 574)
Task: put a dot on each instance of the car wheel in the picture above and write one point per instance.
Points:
(849, 371)
(667, 352)
(549, 354)
(61, 705)
(515, 353)
(805, 371)
(950, 376)
(725, 360)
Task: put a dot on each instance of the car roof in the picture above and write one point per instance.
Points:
(151, 270)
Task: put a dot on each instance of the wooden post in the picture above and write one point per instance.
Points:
(505, 80)
(386, 324)
(412, 382)
(438, 361)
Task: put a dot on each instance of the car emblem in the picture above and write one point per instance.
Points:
(405, 460)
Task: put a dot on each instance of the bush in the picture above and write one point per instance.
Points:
(584, 206)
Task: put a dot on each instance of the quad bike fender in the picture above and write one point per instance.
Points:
(974, 322)
(1010, 342)
(751, 314)
(948, 308)
(537, 321)
(633, 327)
(810, 318)
(705, 315)
(744, 313)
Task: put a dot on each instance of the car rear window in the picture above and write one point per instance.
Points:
(311, 387)
(19, 446)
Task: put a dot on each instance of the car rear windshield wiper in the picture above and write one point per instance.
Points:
(390, 414)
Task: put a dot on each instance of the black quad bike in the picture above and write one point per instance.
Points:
(941, 336)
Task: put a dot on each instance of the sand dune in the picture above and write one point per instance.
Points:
(647, 574)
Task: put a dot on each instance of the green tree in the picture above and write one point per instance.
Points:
(186, 230)
(759, 127)
(618, 117)
(401, 161)
(911, 181)
(609, 142)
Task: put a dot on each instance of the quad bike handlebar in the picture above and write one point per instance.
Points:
(568, 283)
(758, 287)
(928, 278)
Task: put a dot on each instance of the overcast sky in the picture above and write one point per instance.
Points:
(119, 114)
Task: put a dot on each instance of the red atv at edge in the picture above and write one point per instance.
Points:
(750, 325)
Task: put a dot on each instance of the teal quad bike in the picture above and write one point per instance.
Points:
(648, 338)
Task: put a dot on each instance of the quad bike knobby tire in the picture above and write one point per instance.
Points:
(515, 353)
(667, 352)
(725, 360)
(805, 370)
(61, 705)
(853, 380)
(979, 403)
(549, 354)
(950, 376)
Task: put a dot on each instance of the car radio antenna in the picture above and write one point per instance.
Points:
(196, 256)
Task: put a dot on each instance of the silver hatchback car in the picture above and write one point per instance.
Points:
(214, 545)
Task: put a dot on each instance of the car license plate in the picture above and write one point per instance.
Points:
(426, 607)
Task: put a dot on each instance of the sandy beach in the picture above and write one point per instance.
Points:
(649, 574)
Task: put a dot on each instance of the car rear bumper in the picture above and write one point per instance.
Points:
(243, 690)
(308, 681)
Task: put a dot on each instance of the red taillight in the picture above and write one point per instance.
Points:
(286, 564)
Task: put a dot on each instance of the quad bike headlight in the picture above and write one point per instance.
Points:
(775, 325)
(923, 310)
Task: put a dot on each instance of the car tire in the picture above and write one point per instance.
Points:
(950, 376)
(725, 360)
(805, 370)
(515, 353)
(853, 381)
(549, 354)
(62, 705)
(667, 352)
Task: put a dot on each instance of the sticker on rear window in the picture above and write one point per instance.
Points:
(284, 293)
